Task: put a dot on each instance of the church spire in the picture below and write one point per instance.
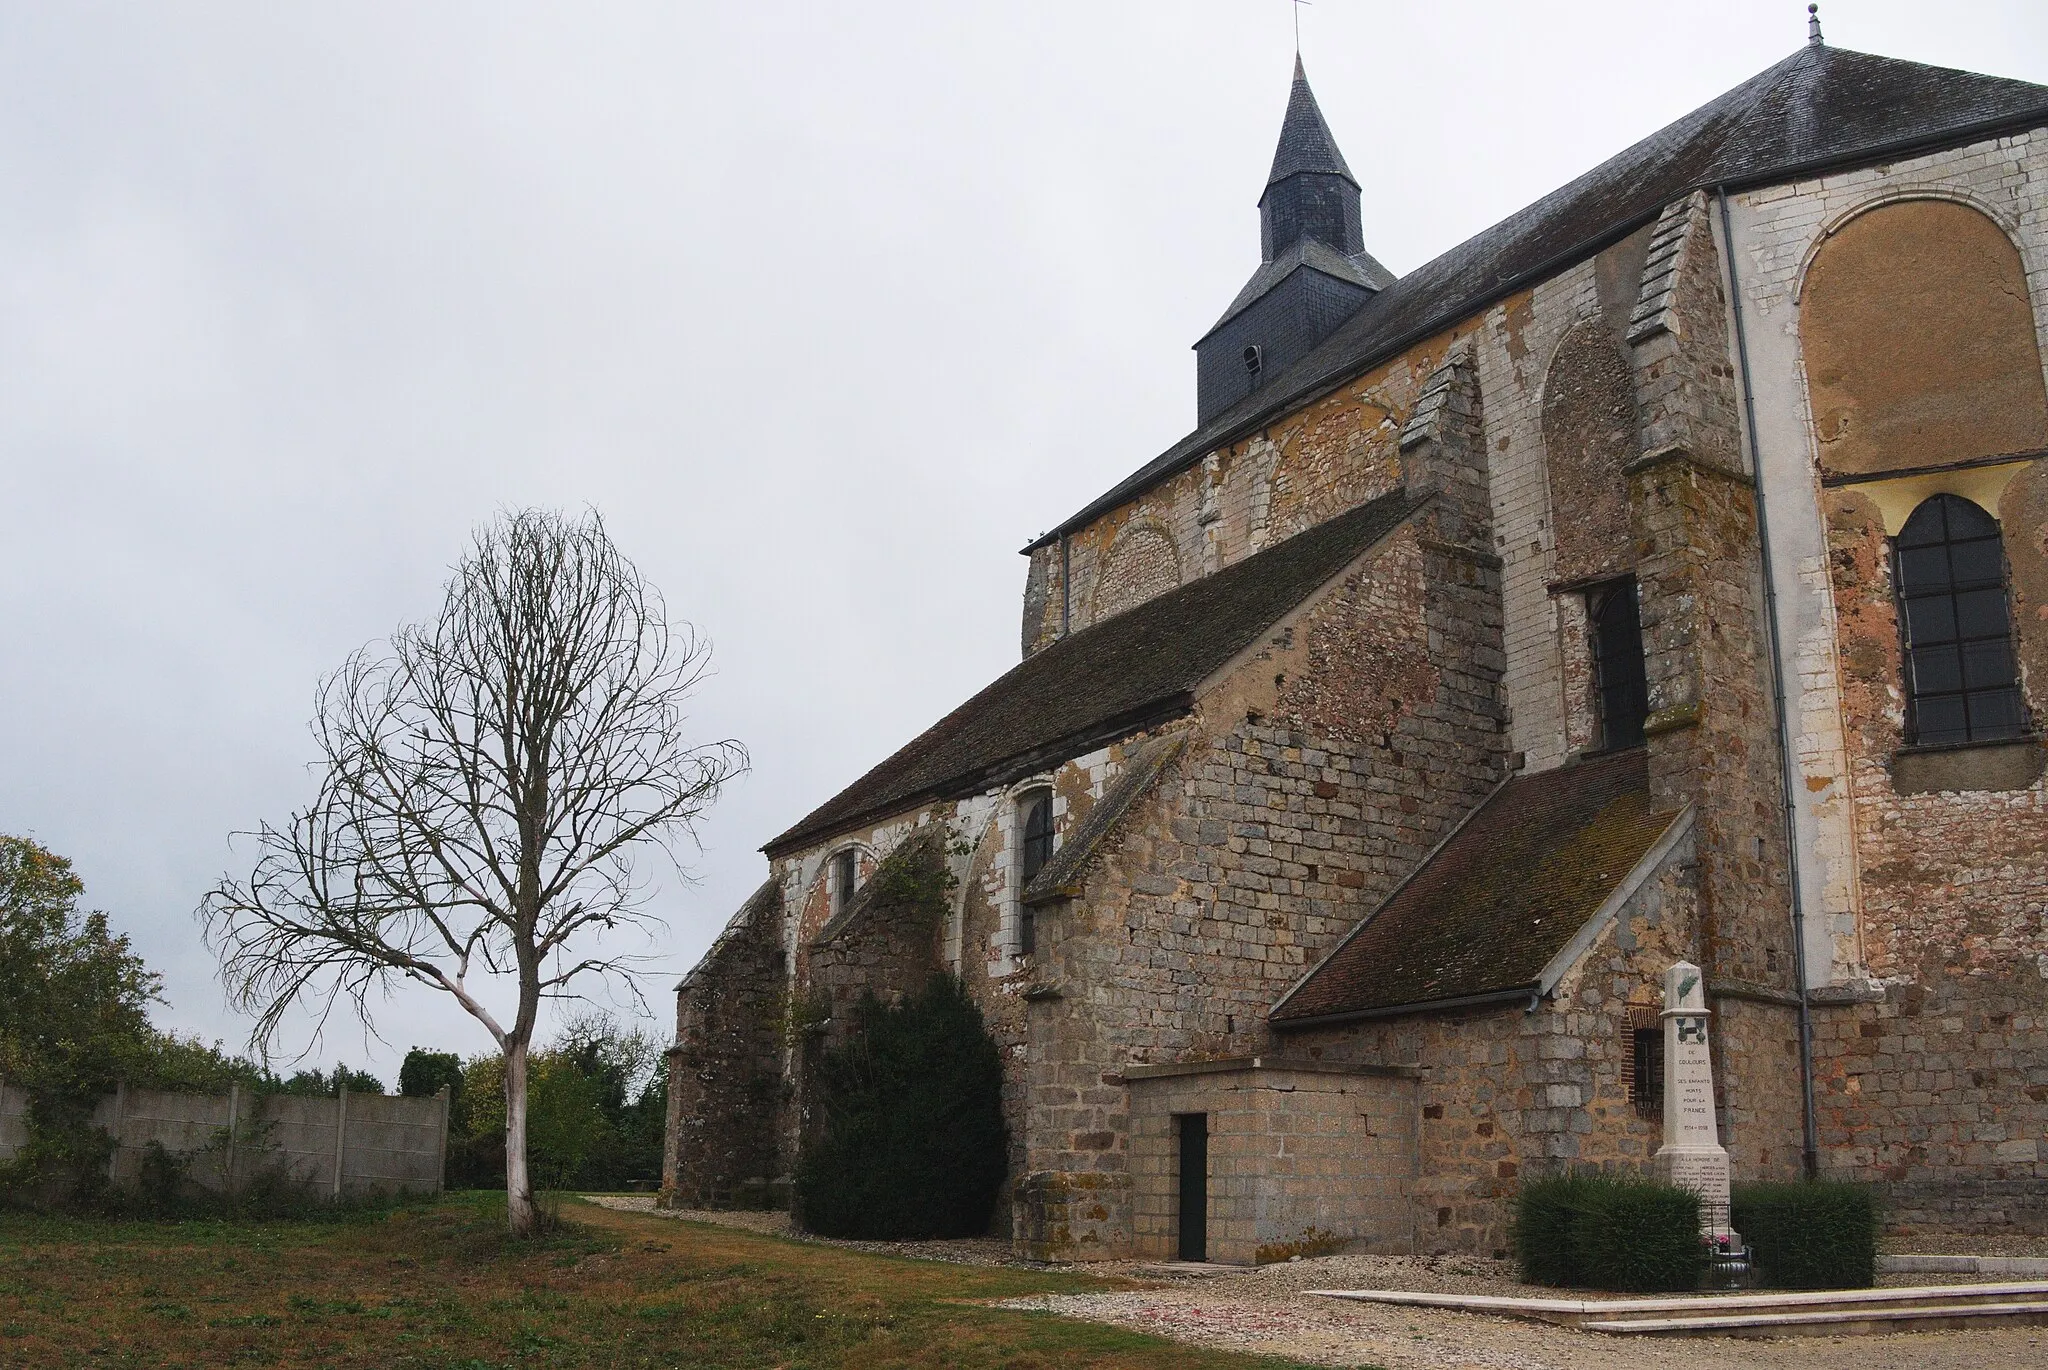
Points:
(1310, 193)
(1314, 271)
(1306, 144)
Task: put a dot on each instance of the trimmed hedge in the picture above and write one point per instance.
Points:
(1810, 1234)
(913, 1143)
(1618, 1232)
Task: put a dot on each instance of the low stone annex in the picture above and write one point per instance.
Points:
(1661, 575)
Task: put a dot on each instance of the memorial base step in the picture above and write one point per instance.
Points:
(1830, 1313)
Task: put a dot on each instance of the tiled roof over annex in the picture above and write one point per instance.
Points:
(1107, 681)
(1498, 901)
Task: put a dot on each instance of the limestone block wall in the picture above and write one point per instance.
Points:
(1777, 232)
(1302, 1158)
(1929, 905)
(1336, 453)
(1318, 772)
(1342, 449)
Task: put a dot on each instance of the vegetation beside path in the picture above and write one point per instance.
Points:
(441, 1285)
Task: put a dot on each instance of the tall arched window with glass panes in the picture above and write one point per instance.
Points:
(1962, 682)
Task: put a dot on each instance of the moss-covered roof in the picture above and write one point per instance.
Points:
(1503, 895)
(1109, 680)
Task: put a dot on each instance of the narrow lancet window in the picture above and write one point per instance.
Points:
(1962, 684)
(1035, 849)
(845, 879)
(1618, 665)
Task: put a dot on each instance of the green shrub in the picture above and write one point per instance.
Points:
(1616, 1232)
(1811, 1234)
(912, 1143)
(1640, 1237)
(1543, 1230)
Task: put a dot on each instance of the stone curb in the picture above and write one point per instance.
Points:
(2021, 1266)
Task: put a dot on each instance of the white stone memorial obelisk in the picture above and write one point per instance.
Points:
(1692, 1156)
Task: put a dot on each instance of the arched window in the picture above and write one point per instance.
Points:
(845, 879)
(1034, 813)
(1618, 667)
(1961, 681)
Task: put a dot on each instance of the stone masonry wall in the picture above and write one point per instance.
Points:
(1932, 907)
(1944, 1078)
(1301, 1160)
(1322, 768)
(725, 1069)
(1713, 728)
(1513, 1092)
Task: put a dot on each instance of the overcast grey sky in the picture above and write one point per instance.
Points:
(827, 308)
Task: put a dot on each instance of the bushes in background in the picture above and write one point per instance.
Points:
(1811, 1234)
(597, 1100)
(1616, 1232)
(912, 1142)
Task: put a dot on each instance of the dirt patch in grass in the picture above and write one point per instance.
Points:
(439, 1285)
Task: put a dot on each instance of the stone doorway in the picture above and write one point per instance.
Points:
(1194, 1186)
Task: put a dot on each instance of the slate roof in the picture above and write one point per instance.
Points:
(1498, 900)
(1107, 681)
(1305, 140)
(1362, 269)
(1820, 108)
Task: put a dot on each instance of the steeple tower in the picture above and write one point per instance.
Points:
(1310, 192)
(1314, 273)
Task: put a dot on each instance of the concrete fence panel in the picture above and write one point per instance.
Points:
(13, 1134)
(348, 1145)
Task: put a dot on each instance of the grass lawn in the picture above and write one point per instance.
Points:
(439, 1285)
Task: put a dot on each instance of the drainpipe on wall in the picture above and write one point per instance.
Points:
(1809, 1138)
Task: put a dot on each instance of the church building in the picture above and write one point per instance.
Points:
(1659, 575)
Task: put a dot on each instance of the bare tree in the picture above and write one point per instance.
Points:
(486, 784)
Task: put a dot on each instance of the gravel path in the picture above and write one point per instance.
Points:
(1267, 1312)
(963, 1251)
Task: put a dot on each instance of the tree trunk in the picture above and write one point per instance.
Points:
(519, 1209)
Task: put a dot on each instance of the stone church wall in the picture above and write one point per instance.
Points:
(1508, 1093)
(1930, 902)
(1332, 757)
(1322, 768)
(1301, 1157)
(725, 1069)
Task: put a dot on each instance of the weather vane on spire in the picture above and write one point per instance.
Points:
(1297, 24)
(1812, 27)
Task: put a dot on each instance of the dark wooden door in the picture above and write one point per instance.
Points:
(1194, 1186)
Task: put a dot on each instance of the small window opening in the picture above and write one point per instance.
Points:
(1034, 851)
(845, 879)
(1622, 681)
(1254, 362)
(1646, 1090)
(1962, 683)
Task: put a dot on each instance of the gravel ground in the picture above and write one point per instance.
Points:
(1268, 1312)
(964, 1251)
(1225, 1313)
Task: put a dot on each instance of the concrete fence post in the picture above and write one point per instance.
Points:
(234, 1126)
(340, 1133)
(441, 1168)
(119, 1128)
